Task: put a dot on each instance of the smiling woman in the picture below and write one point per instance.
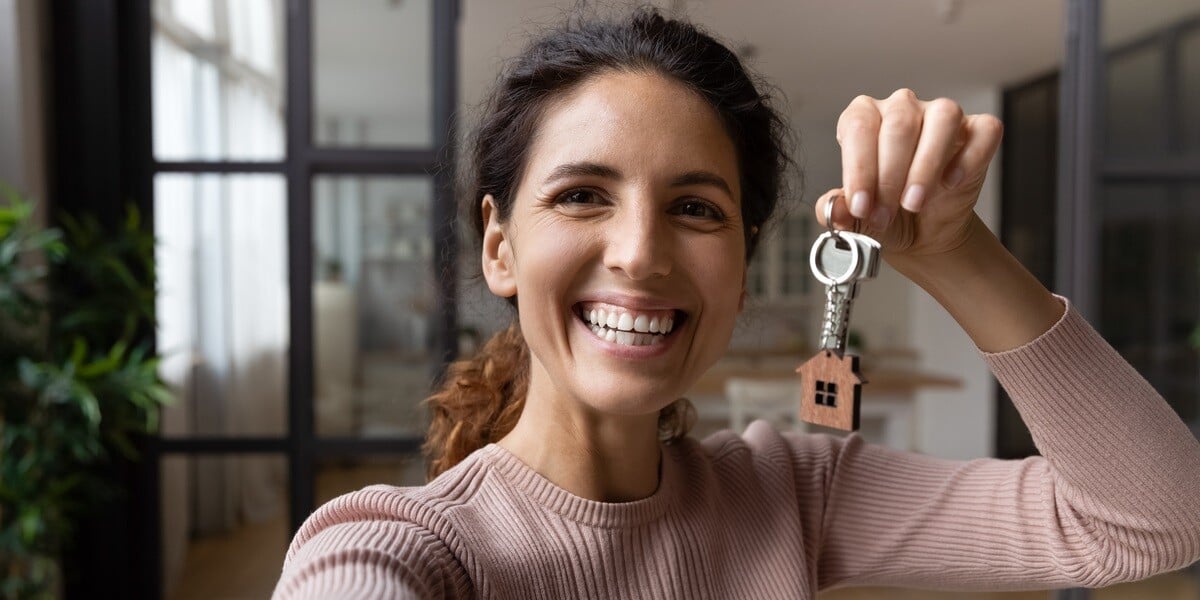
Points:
(621, 175)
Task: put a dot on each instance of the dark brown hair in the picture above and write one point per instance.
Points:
(481, 397)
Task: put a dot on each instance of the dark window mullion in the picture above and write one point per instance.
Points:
(218, 167)
(299, 66)
(370, 161)
(222, 445)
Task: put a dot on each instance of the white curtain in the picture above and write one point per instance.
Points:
(222, 262)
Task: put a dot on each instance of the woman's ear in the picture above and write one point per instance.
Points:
(498, 266)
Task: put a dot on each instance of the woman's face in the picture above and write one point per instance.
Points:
(625, 246)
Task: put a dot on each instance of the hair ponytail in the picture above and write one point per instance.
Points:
(479, 402)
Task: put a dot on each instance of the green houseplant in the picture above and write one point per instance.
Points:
(78, 379)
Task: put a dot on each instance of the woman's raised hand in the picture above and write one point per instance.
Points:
(911, 171)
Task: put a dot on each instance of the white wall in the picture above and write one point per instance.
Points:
(958, 424)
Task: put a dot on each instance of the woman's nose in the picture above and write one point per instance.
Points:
(638, 245)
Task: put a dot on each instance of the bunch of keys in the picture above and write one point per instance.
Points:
(831, 381)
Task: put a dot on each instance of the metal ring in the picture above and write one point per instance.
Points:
(851, 272)
(829, 216)
(829, 213)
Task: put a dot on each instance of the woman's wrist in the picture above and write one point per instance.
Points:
(994, 298)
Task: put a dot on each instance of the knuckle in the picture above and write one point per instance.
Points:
(853, 125)
(990, 125)
(945, 109)
(862, 100)
(905, 94)
(901, 122)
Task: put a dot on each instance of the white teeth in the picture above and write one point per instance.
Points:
(625, 323)
(641, 323)
(627, 329)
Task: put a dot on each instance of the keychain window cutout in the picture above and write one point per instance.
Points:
(827, 393)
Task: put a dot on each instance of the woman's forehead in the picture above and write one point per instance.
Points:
(634, 122)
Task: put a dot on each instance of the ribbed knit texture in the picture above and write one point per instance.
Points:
(768, 515)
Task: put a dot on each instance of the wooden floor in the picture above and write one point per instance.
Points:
(246, 563)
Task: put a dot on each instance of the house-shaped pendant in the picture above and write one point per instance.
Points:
(831, 390)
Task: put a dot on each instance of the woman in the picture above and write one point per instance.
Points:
(622, 175)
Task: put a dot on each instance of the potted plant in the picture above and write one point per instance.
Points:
(78, 378)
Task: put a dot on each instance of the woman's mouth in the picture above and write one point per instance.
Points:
(628, 327)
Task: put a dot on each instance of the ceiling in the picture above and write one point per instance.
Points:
(817, 53)
(821, 53)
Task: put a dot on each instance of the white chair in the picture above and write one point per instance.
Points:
(774, 400)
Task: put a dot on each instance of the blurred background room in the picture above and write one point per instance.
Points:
(294, 160)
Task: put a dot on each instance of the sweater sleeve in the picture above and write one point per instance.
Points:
(1114, 497)
(361, 545)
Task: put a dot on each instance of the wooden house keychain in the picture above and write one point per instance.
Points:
(831, 382)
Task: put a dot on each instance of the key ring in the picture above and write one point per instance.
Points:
(833, 234)
(851, 271)
(829, 218)
(829, 215)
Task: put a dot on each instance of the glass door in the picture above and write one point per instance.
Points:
(307, 265)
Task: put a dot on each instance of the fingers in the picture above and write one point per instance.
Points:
(969, 165)
(899, 132)
(943, 134)
(858, 134)
(899, 152)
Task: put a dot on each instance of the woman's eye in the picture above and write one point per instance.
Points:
(578, 197)
(696, 208)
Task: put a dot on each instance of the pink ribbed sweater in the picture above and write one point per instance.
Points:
(768, 515)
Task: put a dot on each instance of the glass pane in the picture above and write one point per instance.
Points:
(1150, 285)
(223, 303)
(1135, 120)
(1125, 22)
(337, 477)
(373, 304)
(1189, 90)
(796, 240)
(224, 525)
(217, 80)
(373, 73)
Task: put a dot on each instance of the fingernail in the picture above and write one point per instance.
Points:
(914, 198)
(955, 177)
(859, 203)
(881, 218)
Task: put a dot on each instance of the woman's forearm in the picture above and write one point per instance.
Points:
(998, 302)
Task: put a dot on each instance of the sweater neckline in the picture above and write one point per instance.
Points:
(590, 512)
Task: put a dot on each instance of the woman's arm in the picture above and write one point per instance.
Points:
(1114, 497)
(999, 303)
(1116, 493)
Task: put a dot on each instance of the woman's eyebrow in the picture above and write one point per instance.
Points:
(582, 169)
(702, 178)
(591, 169)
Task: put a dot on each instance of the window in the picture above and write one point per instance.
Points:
(826, 393)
